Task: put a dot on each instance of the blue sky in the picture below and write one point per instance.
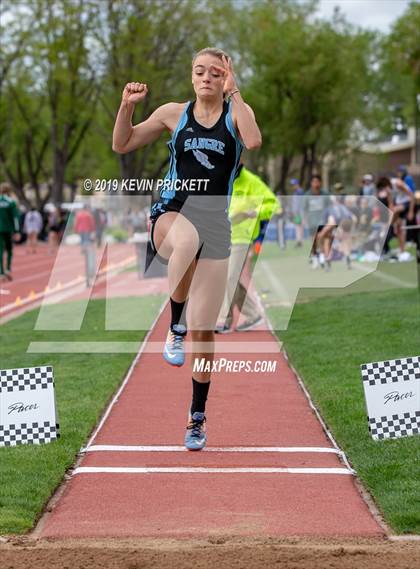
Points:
(372, 14)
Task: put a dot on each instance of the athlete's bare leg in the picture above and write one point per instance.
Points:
(324, 240)
(176, 239)
(398, 223)
(401, 234)
(52, 242)
(32, 242)
(206, 298)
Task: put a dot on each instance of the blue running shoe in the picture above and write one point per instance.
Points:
(174, 346)
(195, 437)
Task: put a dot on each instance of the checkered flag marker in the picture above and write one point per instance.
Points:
(27, 406)
(392, 392)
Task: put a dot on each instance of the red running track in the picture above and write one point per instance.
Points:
(32, 273)
(244, 410)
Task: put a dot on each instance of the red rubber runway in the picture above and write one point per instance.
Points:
(161, 490)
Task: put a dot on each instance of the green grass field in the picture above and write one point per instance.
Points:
(84, 385)
(327, 340)
(289, 268)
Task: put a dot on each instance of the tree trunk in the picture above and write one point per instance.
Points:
(284, 171)
(127, 165)
(15, 177)
(312, 160)
(58, 177)
(73, 190)
(303, 168)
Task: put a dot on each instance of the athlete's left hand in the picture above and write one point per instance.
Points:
(227, 72)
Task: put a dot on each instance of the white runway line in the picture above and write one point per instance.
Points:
(253, 347)
(179, 448)
(198, 470)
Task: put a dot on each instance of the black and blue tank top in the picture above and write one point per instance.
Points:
(203, 153)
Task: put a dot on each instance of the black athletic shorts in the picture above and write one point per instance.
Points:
(403, 214)
(213, 228)
(317, 229)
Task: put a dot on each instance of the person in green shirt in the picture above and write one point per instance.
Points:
(9, 226)
(251, 202)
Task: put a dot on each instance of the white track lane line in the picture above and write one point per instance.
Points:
(198, 470)
(179, 448)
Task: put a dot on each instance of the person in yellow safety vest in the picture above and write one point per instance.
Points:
(252, 201)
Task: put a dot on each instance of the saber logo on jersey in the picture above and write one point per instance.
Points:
(203, 159)
(198, 144)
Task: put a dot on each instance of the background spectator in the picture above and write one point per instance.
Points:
(297, 210)
(368, 186)
(32, 226)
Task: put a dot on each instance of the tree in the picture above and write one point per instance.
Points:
(60, 49)
(308, 83)
(400, 70)
(23, 135)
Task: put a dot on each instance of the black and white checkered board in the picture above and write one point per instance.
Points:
(27, 406)
(392, 392)
(26, 433)
(26, 378)
(391, 371)
(395, 426)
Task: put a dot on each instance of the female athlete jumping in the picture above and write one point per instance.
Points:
(190, 230)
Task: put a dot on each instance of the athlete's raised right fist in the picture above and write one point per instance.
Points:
(134, 92)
